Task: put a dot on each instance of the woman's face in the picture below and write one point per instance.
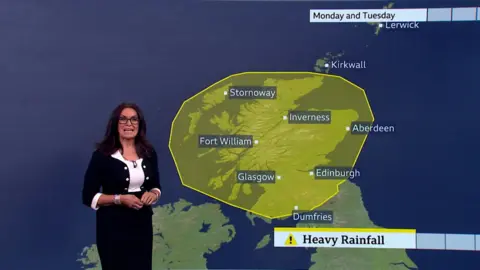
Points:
(128, 124)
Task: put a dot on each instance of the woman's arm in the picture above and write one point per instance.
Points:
(156, 187)
(105, 200)
(91, 182)
(91, 195)
(127, 200)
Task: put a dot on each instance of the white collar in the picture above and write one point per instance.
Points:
(118, 155)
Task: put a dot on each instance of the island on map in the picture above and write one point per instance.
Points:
(256, 140)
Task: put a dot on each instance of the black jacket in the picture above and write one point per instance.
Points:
(109, 176)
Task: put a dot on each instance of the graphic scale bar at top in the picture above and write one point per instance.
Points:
(464, 14)
(439, 14)
(367, 15)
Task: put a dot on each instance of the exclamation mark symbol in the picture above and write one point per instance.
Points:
(290, 241)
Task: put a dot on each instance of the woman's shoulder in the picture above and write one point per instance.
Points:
(147, 153)
(151, 153)
(99, 155)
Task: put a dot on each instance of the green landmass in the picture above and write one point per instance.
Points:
(183, 234)
(329, 57)
(379, 26)
(252, 218)
(89, 258)
(349, 212)
(283, 147)
(264, 242)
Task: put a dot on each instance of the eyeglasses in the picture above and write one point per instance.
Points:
(124, 120)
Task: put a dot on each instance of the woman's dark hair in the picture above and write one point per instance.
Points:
(111, 141)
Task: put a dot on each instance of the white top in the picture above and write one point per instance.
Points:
(137, 177)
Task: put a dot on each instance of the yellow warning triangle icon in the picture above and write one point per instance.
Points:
(290, 240)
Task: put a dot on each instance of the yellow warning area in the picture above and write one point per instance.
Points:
(290, 150)
(290, 241)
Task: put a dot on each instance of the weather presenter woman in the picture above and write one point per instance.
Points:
(121, 183)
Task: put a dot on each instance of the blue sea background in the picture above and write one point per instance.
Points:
(65, 64)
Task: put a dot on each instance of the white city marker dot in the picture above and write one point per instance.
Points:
(380, 25)
(347, 128)
(225, 93)
(326, 65)
(284, 117)
(295, 207)
(256, 141)
(311, 173)
(279, 177)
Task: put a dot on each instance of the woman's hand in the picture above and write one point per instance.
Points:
(131, 201)
(149, 198)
